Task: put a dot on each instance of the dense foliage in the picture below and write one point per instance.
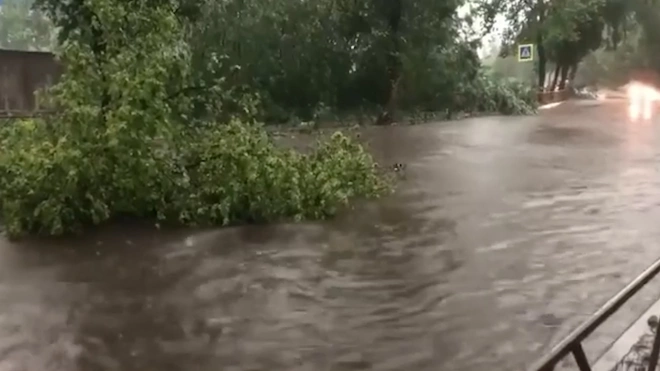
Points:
(611, 37)
(563, 31)
(121, 144)
(159, 107)
(304, 58)
(632, 43)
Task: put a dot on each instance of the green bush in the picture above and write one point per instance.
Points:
(237, 173)
(45, 183)
(122, 146)
(230, 174)
(454, 81)
(493, 95)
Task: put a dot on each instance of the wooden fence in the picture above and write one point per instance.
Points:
(22, 74)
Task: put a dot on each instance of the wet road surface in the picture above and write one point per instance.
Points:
(505, 233)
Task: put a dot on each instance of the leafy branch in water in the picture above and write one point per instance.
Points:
(120, 145)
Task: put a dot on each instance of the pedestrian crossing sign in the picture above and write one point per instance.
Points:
(525, 52)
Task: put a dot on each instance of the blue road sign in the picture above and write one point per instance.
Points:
(525, 52)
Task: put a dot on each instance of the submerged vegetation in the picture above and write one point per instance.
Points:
(159, 110)
(125, 143)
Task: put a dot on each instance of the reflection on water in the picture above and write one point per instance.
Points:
(504, 234)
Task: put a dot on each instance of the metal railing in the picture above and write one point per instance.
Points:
(573, 342)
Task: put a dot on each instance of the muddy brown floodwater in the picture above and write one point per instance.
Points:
(505, 233)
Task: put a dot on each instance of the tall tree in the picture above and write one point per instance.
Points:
(564, 31)
(301, 59)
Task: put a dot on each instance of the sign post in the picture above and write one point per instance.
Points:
(525, 52)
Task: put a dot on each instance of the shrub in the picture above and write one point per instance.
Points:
(494, 95)
(122, 146)
(46, 184)
(237, 173)
(227, 174)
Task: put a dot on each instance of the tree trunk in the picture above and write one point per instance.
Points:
(564, 76)
(395, 15)
(548, 78)
(542, 60)
(539, 44)
(572, 74)
(555, 78)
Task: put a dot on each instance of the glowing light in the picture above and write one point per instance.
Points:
(641, 98)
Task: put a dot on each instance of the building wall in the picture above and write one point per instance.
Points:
(23, 73)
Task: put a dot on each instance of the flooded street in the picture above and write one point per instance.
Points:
(504, 234)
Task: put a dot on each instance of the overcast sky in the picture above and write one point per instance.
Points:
(494, 38)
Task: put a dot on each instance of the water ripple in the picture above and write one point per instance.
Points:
(505, 233)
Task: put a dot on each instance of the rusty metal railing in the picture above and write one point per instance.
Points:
(572, 344)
